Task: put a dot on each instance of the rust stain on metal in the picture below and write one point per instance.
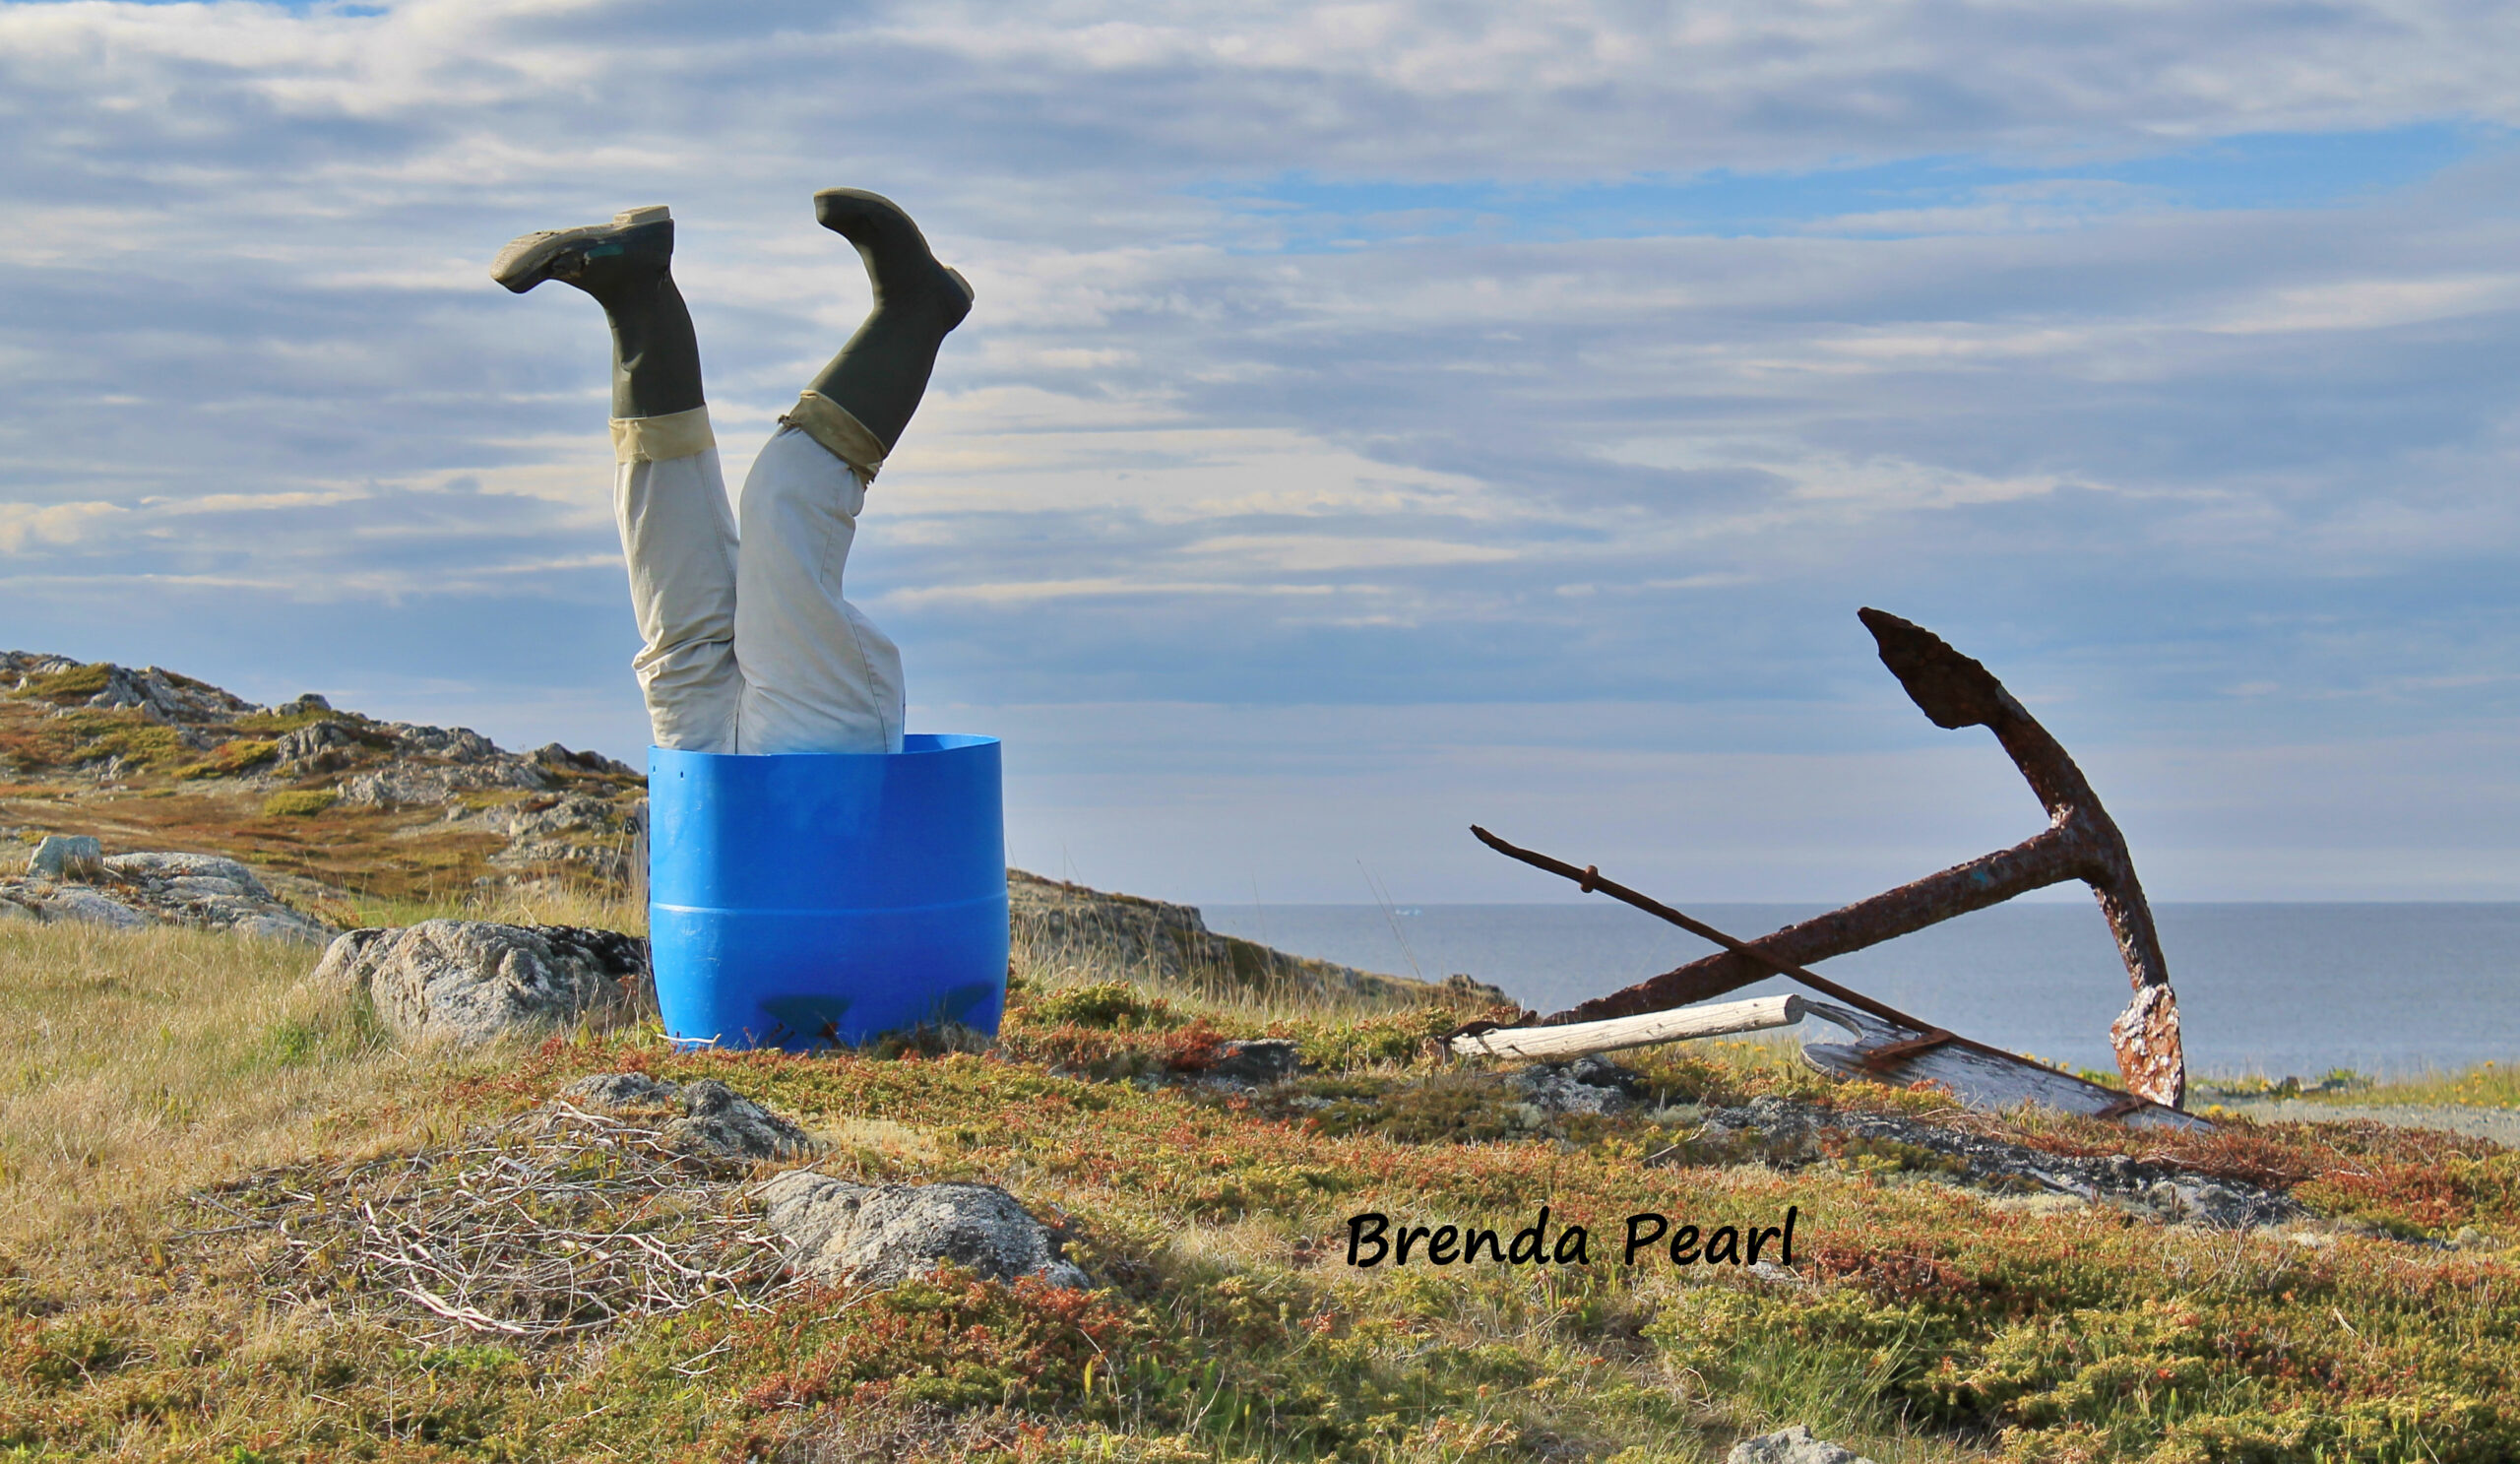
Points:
(2146, 1037)
(2081, 842)
(1890, 1054)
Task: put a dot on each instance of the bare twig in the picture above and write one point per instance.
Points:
(551, 1224)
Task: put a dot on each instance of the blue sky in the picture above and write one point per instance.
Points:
(1881, 199)
(1377, 418)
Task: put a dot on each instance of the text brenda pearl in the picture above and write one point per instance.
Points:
(1651, 1236)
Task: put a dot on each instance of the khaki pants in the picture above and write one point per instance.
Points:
(749, 646)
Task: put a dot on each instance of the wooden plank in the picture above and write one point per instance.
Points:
(1576, 1039)
(1976, 1079)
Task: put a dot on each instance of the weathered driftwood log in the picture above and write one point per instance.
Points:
(1576, 1039)
(1886, 1053)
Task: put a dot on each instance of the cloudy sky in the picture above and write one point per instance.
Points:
(1376, 418)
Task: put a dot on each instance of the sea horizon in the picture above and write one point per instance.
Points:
(2384, 988)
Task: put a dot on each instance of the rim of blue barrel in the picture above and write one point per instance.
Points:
(912, 745)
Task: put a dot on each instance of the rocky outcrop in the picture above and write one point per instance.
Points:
(1061, 924)
(113, 728)
(881, 1233)
(134, 891)
(160, 695)
(470, 982)
(403, 786)
(1786, 1132)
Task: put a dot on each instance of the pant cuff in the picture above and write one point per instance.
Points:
(842, 435)
(654, 440)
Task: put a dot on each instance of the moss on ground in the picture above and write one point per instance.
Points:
(299, 802)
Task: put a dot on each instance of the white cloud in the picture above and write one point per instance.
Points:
(24, 525)
(1187, 450)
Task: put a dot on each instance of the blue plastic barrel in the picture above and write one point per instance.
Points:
(821, 899)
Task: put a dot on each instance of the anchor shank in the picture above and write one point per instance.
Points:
(2049, 857)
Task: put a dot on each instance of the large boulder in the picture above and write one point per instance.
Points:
(880, 1233)
(475, 980)
(134, 891)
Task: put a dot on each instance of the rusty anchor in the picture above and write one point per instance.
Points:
(1889, 1045)
(2080, 841)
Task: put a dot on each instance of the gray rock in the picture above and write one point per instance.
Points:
(611, 1092)
(204, 887)
(78, 903)
(402, 785)
(199, 890)
(398, 788)
(885, 1234)
(317, 747)
(1794, 1445)
(59, 854)
(572, 811)
(461, 744)
(281, 924)
(553, 755)
(474, 981)
(1587, 1085)
(215, 874)
(718, 1123)
(11, 910)
(1787, 1133)
(1259, 1060)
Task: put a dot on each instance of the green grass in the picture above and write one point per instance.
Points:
(2486, 1085)
(1930, 1323)
(300, 802)
(230, 758)
(69, 687)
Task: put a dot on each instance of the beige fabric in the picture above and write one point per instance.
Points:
(749, 646)
(842, 435)
(679, 534)
(661, 439)
(818, 676)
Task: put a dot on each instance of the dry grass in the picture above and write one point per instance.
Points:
(551, 902)
(549, 1226)
(1072, 960)
(135, 1065)
(1933, 1324)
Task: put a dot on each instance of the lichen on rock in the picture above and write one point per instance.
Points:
(470, 982)
(880, 1233)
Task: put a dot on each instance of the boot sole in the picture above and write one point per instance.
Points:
(528, 260)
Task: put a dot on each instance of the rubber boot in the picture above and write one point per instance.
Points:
(859, 404)
(627, 265)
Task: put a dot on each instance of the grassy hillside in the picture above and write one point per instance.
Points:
(1921, 1319)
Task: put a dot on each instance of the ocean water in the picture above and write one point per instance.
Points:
(2389, 990)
